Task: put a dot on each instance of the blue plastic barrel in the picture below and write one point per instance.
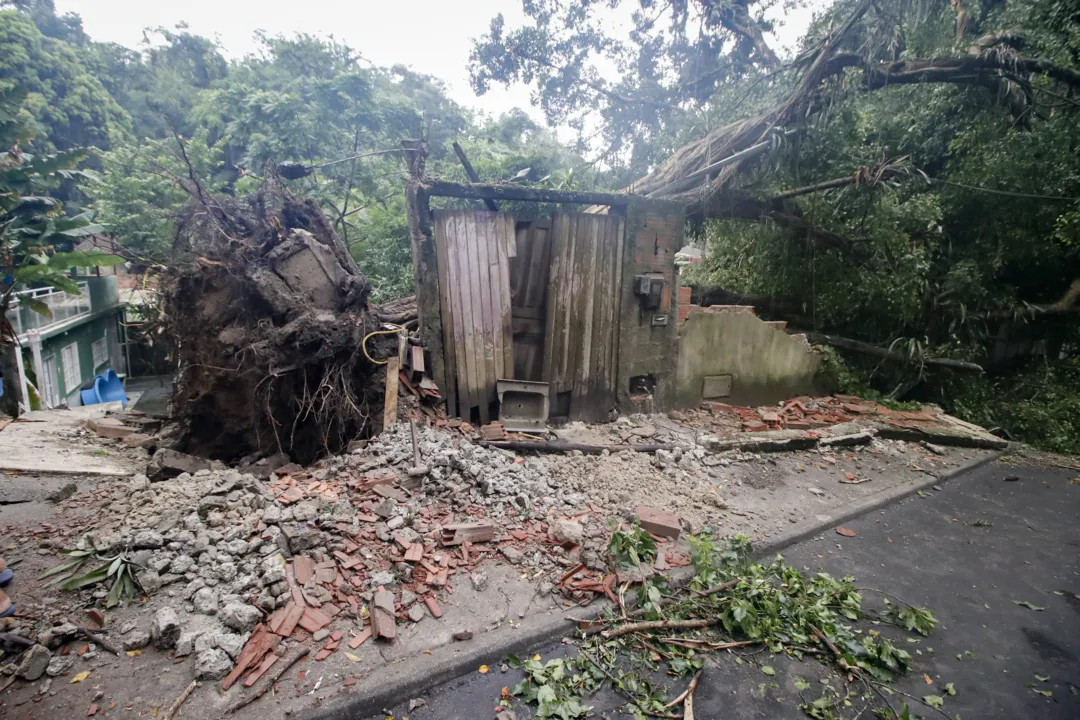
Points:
(107, 387)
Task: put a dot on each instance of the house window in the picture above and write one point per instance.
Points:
(69, 360)
(101, 352)
(47, 383)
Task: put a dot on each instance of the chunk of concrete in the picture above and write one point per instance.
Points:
(567, 532)
(166, 628)
(212, 664)
(168, 463)
(110, 428)
(137, 639)
(34, 663)
(240, 616)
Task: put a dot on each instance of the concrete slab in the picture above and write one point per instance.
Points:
(40, 442)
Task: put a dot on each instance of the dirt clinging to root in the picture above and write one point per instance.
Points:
(268, 312)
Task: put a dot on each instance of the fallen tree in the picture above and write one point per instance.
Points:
(269, 312)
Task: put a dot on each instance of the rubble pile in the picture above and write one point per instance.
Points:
(240, 568)
(802, 413)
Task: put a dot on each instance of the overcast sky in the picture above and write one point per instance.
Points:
(431, 36)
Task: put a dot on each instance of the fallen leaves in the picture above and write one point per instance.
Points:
(934, 701)
(352, 657)
(768, 670)
(846, 532)
(134, 653)
(484, 669)
(926, 677)
(80, 677)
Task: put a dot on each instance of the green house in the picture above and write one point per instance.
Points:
(84, 337)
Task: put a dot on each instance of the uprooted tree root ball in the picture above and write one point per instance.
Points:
(268, 313)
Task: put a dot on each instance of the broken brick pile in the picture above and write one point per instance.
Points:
(331, 555)
(801, 413)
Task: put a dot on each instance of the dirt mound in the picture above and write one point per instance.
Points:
(268, 312)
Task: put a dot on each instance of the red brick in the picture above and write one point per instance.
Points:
(293, 613)
(658, 522)
(433, 606)
(684, 295)
(261, 670)
(304, 567)
(313, 620)
(359, 639)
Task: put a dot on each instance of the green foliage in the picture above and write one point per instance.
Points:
(549, 686)
(65, 104)
(1039, 404)
(34, 233)
(142, 188)
(117, 571)
(629, 548)
(916, 619)
(773, 604)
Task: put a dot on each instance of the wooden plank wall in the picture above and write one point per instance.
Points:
(528, 294)
(474, 250)
(584, 287)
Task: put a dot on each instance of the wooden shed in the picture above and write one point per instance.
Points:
(585, 301)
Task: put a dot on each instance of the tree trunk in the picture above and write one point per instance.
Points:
(9, 369)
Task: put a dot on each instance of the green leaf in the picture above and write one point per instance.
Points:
(1025, 603)
(115, 566)
(94, 576)
(768, 670)
(84, 258)
(950, 689)
(113, 598)
(63, 567)
(1042, 678)
(37, 306)
(800, 683)
(1044, 693)
(934, 701)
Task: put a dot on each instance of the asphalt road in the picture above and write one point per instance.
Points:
(970, 552)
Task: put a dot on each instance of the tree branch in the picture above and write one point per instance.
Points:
(867, 349)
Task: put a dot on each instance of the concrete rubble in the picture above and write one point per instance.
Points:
(241, 567)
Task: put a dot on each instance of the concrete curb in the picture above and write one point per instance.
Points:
(446, 663)
(457, 659)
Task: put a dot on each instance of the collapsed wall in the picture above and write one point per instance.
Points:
(268, 313)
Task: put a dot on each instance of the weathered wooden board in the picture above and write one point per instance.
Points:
(474, 251)
(584, 285)
(528, 291)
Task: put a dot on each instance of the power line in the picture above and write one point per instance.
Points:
(1010, 193)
